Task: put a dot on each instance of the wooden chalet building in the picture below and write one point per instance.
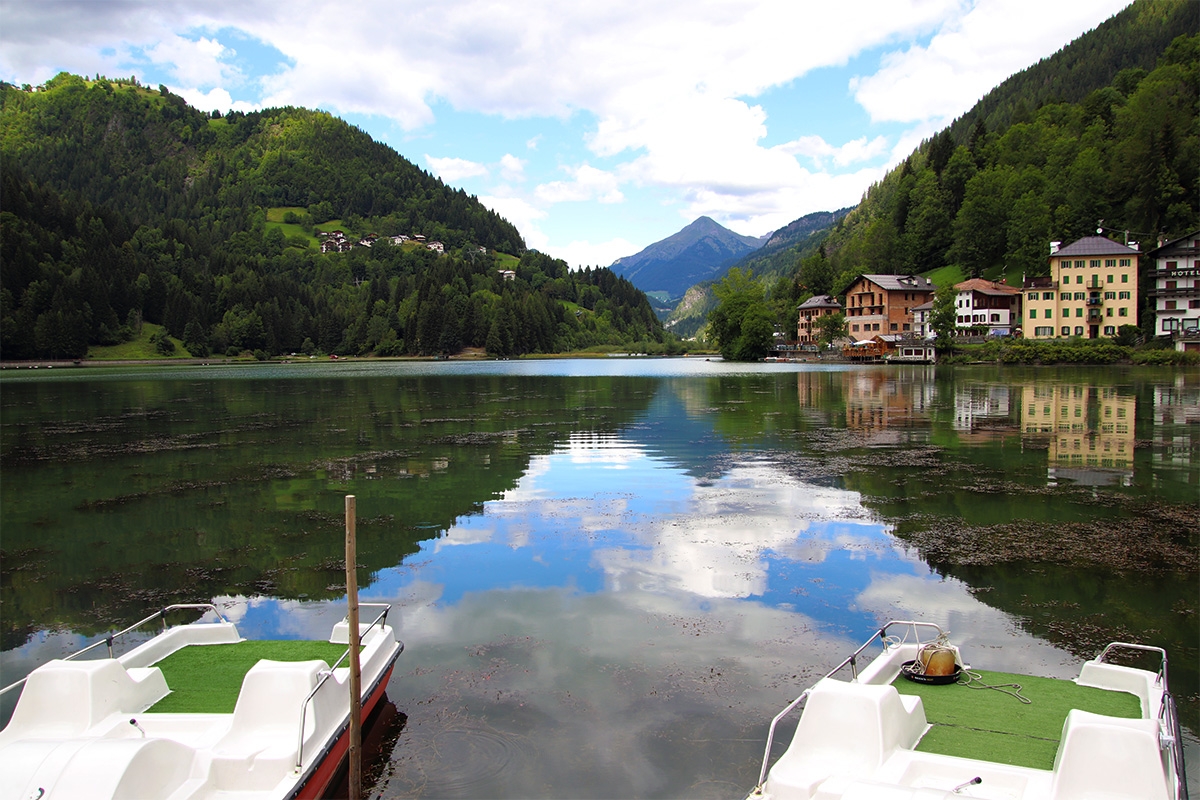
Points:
(884, 304)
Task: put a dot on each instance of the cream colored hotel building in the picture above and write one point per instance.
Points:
(1091, 292)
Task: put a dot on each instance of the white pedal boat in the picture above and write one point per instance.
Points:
(85, 728)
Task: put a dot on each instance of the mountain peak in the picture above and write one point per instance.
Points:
(698, 252)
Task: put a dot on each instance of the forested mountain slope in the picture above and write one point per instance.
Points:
(1106, 129)
(122, 205)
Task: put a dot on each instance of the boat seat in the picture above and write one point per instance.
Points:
(103, 769)
(1102, 756)
(62, 698)
(260, 747)
(846, 729)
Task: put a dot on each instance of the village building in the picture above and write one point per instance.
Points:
(815, 307)
(884, 303)
(921, 327)
(988, 307)
(437, 247)
(1174, 275)
(1092, 291)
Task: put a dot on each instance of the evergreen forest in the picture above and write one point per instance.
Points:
(1103, 135)
(120, 205)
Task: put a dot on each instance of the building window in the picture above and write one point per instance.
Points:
(1110, 295)
(1193, 303)
(1172, 265)
(1124, 277)
(1033, 313)
(1066, 330)
(1123, 295)
(1066, 279)
(1079, 265)
(1125, 262)
(1171, 285)
(854, 328)
(1033, 295)
(1079, 312)
(1122, 312)
(1078, 332)
(1047, 295)
(1049, 313)
(1110, 278)
(906, 327)
(1095, 262)
(1170, 305)
(1079, 279)
(1110, 262)
(1108, 312)
(1109, 330)
(1064, 296)
(1043, 331)
(893, 326)
(1080, 296)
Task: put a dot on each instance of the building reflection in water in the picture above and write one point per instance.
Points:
(886, 404)
(1176, 422)
(1089, 431)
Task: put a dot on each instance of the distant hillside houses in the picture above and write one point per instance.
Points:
(337, 242)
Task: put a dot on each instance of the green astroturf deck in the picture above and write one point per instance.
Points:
(989, 725)
(207, 678)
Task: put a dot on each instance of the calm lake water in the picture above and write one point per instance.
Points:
(608, 574)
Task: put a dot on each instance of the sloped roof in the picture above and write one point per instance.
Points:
(1095, 246)
(821, 301)
(984, 286)
(924, 307)
(900, 283)
(1181, 244)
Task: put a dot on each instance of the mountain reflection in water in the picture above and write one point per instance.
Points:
(609, 575)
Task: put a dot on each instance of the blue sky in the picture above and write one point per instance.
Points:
(596, 128)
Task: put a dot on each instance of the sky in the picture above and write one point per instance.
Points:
(596, 128)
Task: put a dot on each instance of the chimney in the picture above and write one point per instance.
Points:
(1054, 247)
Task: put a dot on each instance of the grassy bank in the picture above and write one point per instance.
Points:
(1065, 351)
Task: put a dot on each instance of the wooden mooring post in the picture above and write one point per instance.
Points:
(355, 765)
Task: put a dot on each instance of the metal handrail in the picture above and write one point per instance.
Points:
(852, 662)
(380, 620)
(1170, 738)
(110, 638)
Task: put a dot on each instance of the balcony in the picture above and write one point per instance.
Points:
(1094, 301)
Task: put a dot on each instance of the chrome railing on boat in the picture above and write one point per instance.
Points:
(850, 661)
(1170, 736)
(112, 637)
(381, 620)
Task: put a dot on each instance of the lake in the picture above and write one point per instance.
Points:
(609, 574)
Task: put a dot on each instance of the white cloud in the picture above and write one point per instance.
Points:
(820, 151)
(668, 87)
(512, 168)
(970, 55)
(453, 170)
(588, 183)
(194, 63)
(583, 253)
(521, 213)
(213, 100)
